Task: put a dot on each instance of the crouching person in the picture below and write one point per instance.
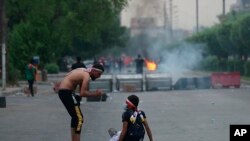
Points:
(134, 122)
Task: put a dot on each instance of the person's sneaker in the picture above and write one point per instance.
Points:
(112, 132)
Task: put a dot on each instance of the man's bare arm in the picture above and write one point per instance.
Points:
(85, 92)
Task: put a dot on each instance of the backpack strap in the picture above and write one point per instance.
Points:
(134, 116)
(141, 116)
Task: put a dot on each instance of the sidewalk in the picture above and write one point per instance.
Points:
(20, 89)
(10, 91)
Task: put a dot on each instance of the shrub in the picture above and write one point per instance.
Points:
(231, 65)
(239, 66)
(247, 68)
(13, 75)
(222, 65)
(210, 63)
(235, 65)
(52, 68)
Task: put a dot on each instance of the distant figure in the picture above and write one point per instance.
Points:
(120, 64)
(78, 64)
(30, 75)
(139, 64)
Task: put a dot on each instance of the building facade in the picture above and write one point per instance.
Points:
(241, 5)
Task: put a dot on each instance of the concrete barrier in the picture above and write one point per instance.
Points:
(185, 84)
(97, 98)
(203, 82)
(129, 82)
(225, 79)
(158, 82)
(2, 102)
(104, 83)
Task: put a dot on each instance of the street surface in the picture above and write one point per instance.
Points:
(190, 115)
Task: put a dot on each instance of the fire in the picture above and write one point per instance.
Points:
(151, 65)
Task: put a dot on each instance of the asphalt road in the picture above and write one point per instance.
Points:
(190, 115)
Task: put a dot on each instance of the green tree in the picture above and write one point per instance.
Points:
(55, 28)
(223, 37)
(244, 33)
(236, 38)
(213, 45)
(231, 37)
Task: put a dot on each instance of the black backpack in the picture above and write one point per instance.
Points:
(135, 127)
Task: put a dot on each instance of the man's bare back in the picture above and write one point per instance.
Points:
(71, 80)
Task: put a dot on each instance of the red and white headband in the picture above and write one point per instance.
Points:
(128, 102)
(97, 69)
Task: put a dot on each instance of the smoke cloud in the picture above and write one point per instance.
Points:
(183, 58)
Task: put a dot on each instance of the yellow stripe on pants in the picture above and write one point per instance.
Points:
(80, 118)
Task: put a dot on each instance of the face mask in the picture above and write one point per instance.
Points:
(124, 106)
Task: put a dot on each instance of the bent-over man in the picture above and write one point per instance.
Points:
(80, 76)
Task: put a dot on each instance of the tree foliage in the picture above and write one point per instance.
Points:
(54, 28)
(229, 38)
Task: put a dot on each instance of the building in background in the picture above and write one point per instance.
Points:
(144, 25)
(241, 5)
(148, 26)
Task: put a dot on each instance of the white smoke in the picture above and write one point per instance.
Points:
(181, 59)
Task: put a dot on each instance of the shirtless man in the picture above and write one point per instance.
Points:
(80, 76)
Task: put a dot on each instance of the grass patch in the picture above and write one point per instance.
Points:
(245, 78)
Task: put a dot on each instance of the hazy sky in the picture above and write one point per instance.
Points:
(184, 11)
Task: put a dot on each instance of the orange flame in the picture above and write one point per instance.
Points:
(151, 65)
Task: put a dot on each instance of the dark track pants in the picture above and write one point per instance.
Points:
(73, 108)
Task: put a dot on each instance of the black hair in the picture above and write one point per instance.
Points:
(98, 66)
(134, 99)
(32, 61)
(78, 59)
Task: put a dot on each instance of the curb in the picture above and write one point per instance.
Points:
(246, 82)
(11, 91)
(20, 89)
(37, 82)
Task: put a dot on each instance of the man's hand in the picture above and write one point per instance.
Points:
(78, 98)
(99, 92)
(91, 93)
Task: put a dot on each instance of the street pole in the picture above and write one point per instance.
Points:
(171, 17)
(2, 43)
(223, 7)
(3, 66)
(165, 15)
(197, 15)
